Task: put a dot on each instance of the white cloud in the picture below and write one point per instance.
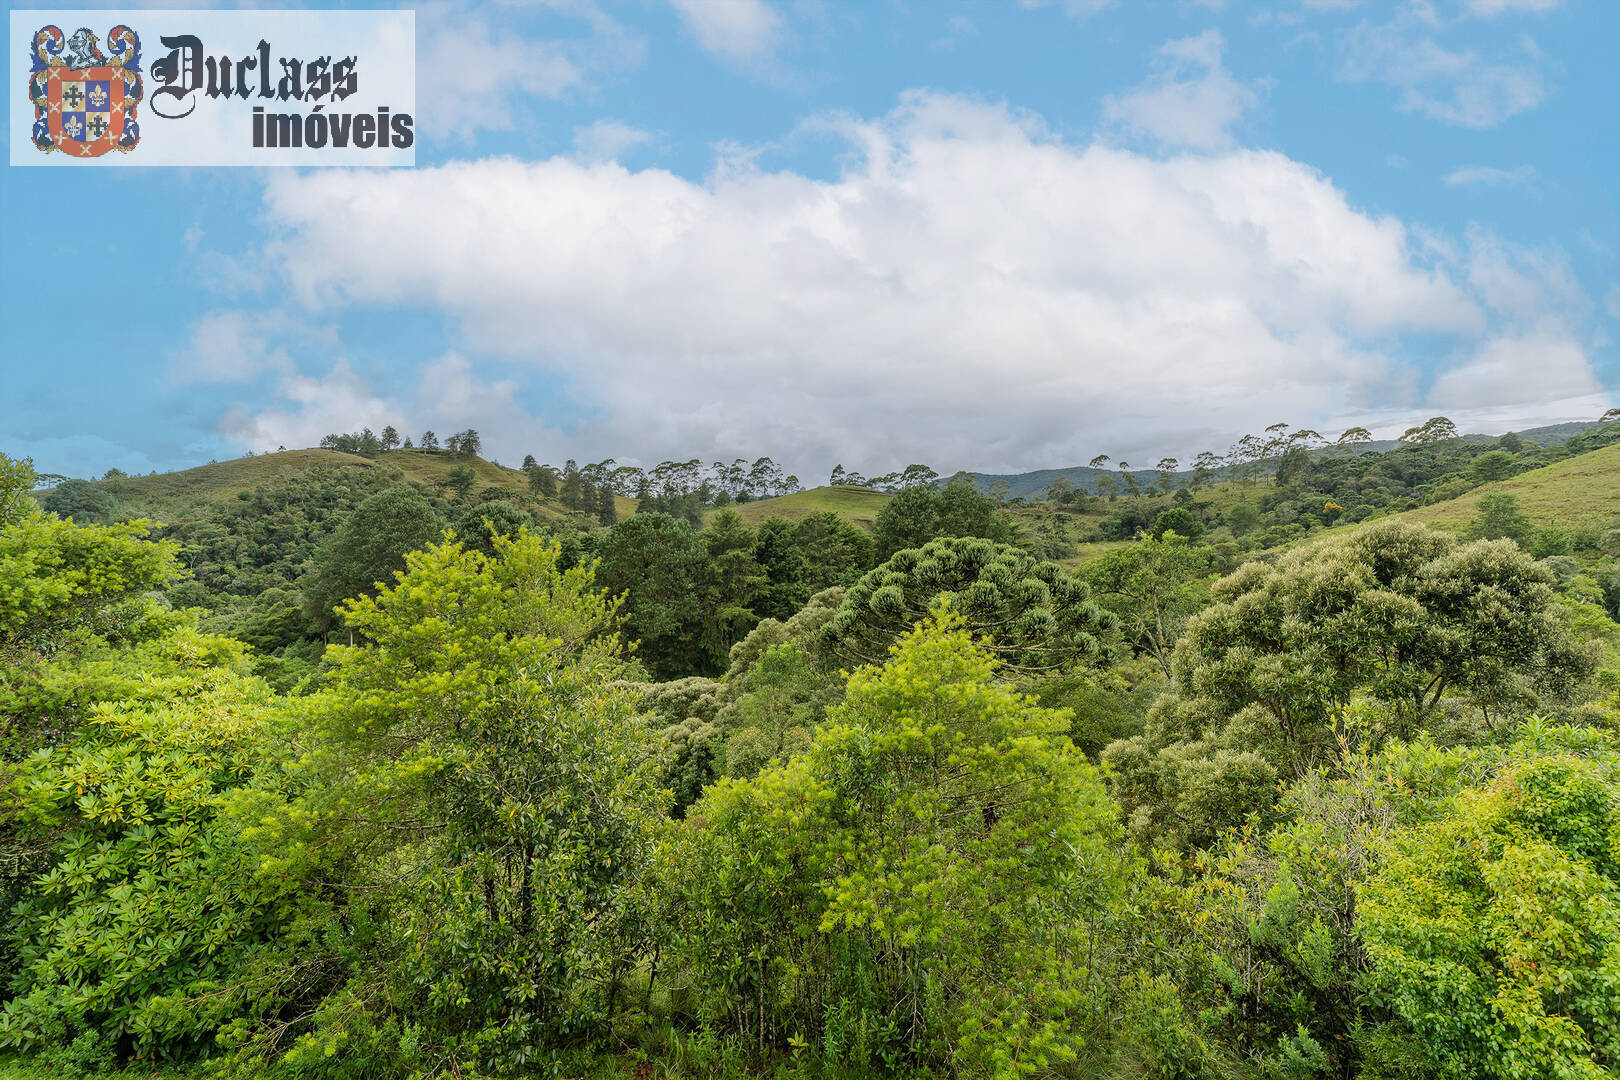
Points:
(311, 408)
(1079, 9)
(235, 346)
(1611, 302)
(743, 31)
(473, 76)
(970, 292)
(608, 140)
(1491, 176)
(1192, 100)
(1456, 86)
(1501, 7)
(1514, 377)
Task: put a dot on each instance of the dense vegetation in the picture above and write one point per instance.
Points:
(417, 766)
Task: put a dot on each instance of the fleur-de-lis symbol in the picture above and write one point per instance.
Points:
(98, 96)
(73, 127)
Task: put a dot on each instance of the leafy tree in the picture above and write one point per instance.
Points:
(1179, 520)
(931, 886)
(1033, 617)
(138, 933)
(390, 438)
(479, 526)
(369, 547)
(733, 582)
(1394, 614)
(460, 480)
(1242, 518)
(1154, 587)
(430, 441)
(658, 562)
(81, 501)
(16, 480)
(607, 508)
(836, 551)
(1492, 933)
(493, 795)
(1435, 429)
(787, 571)
(1500, 518)
(919, 514)
(1491, 466)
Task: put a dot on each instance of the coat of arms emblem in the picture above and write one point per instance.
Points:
(85, 101)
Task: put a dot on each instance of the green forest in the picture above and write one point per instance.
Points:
(381, 759)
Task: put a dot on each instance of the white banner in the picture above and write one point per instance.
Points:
(94, 88)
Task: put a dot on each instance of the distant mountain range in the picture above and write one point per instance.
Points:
(1084, 477)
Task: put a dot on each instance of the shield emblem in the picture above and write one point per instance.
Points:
(85, 102)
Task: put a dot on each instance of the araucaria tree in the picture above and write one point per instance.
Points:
(1031, 615)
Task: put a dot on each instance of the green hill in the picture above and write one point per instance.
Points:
(167, 495)
(1582, 491)
(857, 504)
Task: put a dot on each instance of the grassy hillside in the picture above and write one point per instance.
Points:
(1578, 491)
(857, 504)
(165, 495)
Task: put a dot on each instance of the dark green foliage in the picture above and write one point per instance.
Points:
(478, 527)
(1031, 615)
(787, 571)
(836, 552)
(83, 502)
(367, 549)
(658, 563)
(1179, 520)
(919, 514)
(1396, 614)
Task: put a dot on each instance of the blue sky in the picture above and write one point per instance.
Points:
(981, 235)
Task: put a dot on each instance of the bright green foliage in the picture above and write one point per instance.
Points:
(16, 480)
(56, 577)
(1154, 586)
(658, 563)
(138, 932)
(493, 793)
(1494, 933)
(917, 515)
(368, 549)
(1031, 615)
(931, 885)
(70, 594)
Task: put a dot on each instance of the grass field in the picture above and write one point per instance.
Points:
(858, 504)
(1578, 491)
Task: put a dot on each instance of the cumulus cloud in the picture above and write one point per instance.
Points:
(311, 407)
(1490, 176)
(1192, 100)
(970, 291)
(737, 30)
(1543, 374)
(234, 345)
(1458, 86)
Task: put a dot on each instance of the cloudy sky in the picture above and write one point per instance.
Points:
(988, 235)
